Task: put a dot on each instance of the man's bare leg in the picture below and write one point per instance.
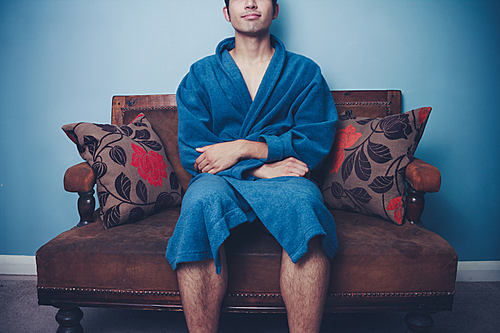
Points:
(304, 287)
(202, 291)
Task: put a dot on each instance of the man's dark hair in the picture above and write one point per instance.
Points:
(227, 5)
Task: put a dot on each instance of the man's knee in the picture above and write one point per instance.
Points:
(314, 251)
(298, 190)
(194, 265)
(315, 244)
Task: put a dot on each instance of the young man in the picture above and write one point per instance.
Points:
(254, 120)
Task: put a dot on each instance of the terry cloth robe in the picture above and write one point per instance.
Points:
(294, 113)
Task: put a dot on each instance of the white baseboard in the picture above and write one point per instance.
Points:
(17, 265)
(475, 271)
(468, 271)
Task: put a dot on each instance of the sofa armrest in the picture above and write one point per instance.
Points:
(423, 177)
(81, 179)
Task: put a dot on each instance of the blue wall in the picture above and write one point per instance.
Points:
(61, 62)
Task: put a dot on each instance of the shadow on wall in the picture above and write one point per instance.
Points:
(279, 28)
(438, 214)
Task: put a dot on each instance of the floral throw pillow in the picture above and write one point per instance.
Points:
(134, 177)
(365, 170)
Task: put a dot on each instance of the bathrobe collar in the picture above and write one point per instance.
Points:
(250, 109)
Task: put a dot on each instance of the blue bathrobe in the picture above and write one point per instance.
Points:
(294, 113)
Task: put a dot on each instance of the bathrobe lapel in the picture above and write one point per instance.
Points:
(234, 85)
(237, 90)
(264, 92)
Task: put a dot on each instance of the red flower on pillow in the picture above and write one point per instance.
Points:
(423, 114)
(150, 165)
(344, 138)
(396, 204)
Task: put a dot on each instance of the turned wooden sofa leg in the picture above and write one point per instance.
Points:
(86, 206)
(415, 202)
(419, 322)
(69, 320)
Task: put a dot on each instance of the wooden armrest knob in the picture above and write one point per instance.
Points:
(79, 178)
(423, 177)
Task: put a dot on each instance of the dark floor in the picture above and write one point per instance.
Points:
(476, 309)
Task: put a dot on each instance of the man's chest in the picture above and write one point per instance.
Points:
(253, 78)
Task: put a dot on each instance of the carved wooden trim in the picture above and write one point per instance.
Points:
(254, 295)
(411, 294)
(117, 117)
(369, 99)
(110, 291)
(363, 103)
(139, 102)
(148, 108)
(381, 104)
(391, 99)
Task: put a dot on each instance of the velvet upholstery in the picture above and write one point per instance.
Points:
(131, 258)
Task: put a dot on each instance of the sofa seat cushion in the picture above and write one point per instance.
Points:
(374, 256)
(127, 257)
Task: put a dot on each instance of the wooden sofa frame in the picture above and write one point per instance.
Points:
(416, 273)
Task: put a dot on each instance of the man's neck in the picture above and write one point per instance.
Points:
(252, 49)
(252, 55)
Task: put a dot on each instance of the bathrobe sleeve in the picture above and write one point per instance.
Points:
(195, 121)
(314, 124)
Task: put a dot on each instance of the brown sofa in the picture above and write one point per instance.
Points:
(379, 266)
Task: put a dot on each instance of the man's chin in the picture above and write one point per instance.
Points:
(254, 33)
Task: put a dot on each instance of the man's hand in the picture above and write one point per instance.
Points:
(217, 157)
(222, 156)
(288, 167)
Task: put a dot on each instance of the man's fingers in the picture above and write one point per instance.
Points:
(213, 171)
(295, 166)
(200, 163)
(203, 164)
(203, 149)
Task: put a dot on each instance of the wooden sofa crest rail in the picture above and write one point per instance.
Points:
(379, 266)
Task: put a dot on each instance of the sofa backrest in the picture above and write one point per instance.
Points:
(161, 110)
